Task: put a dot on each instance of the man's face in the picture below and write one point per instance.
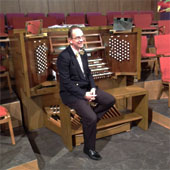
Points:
(77, 40)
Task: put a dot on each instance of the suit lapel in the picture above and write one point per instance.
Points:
(75, 62)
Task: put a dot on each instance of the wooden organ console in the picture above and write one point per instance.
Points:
(123, 53)
(67, 123)
(40, 98)
(37, 58)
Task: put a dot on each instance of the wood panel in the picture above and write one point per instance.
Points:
(7, 6)
(86, 6)
(135, 5)
(108, 5)
(34, 6)
(65, 6)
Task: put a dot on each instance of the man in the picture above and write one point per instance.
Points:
(77, 89)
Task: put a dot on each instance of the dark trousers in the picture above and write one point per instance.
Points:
(91, 115)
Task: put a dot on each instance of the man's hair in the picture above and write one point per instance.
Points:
(71, 30)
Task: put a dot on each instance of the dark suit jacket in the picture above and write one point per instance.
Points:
(73, 84)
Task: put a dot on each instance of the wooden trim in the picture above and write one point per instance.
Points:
(105, 132)
(161, 119)
(27, 166)
(25, 68)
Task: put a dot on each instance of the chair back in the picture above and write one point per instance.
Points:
(97, 20)
(60, 17)
(76, 14)
(148, 12)
(165, 68)
(2, 23)
(110, 16)
(144, 45)
(49, 21)
(36, 16)
(93, 14)
(19, 23)
(130, 13)
(9, 17)
(162, 44)
(75, 20)
(142, 20)
(164, 26)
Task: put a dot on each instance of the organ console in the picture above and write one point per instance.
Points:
(93, 45)
(123, 51)
(37, 58)
(99, 68)
(109, 55)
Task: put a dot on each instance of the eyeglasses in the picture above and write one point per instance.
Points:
(78, 38)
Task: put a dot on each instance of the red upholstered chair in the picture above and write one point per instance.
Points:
(9, 17)
(75, 20)
(130, 13)
(93, 14)
(36, 15)
(150, 13)
(6, 118)
(97, 20)
(76, 14)
(162, 45)
(147, 12)
(144, 22)
(2, 26)
(60, 17)
(111, 15)
(19, 23)
(165, 71)
(148, 57)
(164, 26)
(49, 21)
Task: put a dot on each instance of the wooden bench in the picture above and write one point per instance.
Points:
(67, 122)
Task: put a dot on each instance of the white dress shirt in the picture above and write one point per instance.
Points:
(78, 57)
(93, 90)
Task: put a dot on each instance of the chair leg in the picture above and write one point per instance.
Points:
(156, 67)
(160, 91)
(11, 131)
(9, 83)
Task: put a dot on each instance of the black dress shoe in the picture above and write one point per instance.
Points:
(93, 154)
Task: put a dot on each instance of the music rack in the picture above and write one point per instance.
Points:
(93, 42)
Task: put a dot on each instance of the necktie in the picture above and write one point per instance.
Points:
(80, 62)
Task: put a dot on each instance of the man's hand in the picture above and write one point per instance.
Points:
(89, 96)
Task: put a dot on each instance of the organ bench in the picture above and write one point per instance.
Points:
(66, 122)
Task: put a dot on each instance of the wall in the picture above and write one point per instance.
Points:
(67, 6)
